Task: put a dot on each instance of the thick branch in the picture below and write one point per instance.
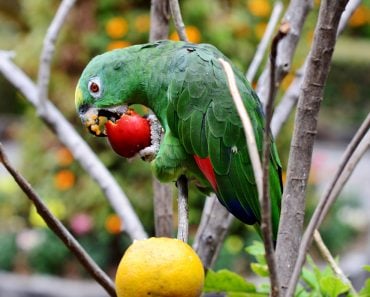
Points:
(159, 19)
(48, 51)
(290, 98)
(78, 147)
(293, 204)
(58, 228)
(177, 18)
(340, 178)
(211, 231)
(296, 16)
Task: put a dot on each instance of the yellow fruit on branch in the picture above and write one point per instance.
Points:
(160, 267)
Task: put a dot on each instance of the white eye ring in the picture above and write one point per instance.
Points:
(94, 87)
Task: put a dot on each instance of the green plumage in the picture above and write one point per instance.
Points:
(185, 86)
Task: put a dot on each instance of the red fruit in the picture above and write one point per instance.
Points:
(129, 134)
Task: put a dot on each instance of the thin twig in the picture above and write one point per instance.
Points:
(58, 228)
(325, 253)
(78, 147)
(293, 203)
(329, 197)
(183, 209)
(247, 125)
(48, 51)
(290, 98)
(262, 46)
(266, 225)
(177, 18)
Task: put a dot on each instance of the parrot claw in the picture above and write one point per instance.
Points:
(156, 134)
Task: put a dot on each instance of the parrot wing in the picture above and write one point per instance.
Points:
(201, 113)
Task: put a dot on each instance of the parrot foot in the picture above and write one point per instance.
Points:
(156, 134)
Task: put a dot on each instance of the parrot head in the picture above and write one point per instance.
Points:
(105, 90)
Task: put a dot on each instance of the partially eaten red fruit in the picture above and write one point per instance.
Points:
(129, 134)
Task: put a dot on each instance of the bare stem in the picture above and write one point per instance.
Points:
(177, 18)
(78, 147)
(262, 46)
(183, 209)
(325, 253)
(58, 228)
(48, 51)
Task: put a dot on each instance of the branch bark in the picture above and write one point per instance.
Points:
(212, 231)
(78, 147)
(58, 228)
(159, 19)
(177, 18)
(183, 209)
(163, 204)
(293, 203)
(48, 51)
(295, 15)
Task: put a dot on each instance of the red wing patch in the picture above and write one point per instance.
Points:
(205, 166)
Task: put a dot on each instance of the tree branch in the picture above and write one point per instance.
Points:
(341, 176)
(177, 18)
(290, 98)
(58, 228)
(78, 147)
(159, 19)
(183, 209)
(48, 51)
(212, 230)
(163, 206)
(293, 203)
(295, 15)
(262, 46)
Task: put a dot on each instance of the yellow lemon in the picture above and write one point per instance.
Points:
(159, 267)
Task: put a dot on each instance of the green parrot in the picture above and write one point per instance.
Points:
(199, 133)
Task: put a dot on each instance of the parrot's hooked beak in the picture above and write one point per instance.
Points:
(94, 118)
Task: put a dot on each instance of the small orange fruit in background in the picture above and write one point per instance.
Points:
(161, 267)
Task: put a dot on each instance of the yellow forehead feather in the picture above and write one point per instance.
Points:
(78, 96)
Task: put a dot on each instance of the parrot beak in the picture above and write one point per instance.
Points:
(94, 119)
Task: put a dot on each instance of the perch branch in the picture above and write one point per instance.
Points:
(58, 228)
(293, 203)
(290, 98)
(162, 199)
(48, 51)
(295, 15)
(183, 209)
(262, 46)
(177, 18)
(341, 176)
(78, 147)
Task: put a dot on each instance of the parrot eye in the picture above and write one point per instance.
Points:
(94, 87)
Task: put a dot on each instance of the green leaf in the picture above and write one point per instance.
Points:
(227, 281)
(310, 279)
(333, 286)
(256, 249)
(365, 291)
(366, 267)
(239, 294)
(260, 269)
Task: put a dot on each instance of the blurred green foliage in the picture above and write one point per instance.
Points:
(95, 26)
